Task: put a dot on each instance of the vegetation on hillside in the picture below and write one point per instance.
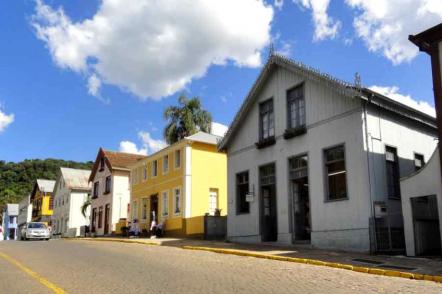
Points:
(186, 119)
(18, 178)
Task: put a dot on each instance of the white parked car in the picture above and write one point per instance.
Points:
(35, 230)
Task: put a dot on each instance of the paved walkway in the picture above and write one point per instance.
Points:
(424, 266)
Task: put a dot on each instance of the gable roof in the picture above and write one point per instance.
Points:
(77, 179)
(45, 185)
(203, 137)
(114, 160)
(334, 84)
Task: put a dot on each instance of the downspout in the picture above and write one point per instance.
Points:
(367, 143)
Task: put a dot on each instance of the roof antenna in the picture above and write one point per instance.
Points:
(358, 83)
(271, 49)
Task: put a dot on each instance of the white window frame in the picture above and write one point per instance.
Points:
(165, 204)
(165, 166)
(175, 159)
(154, 168)
(213, 191)
(145, 172)
(144, 213)
(180, 201)
(134, 210)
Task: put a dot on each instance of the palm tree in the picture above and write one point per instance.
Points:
(186, 119)
(85, 205)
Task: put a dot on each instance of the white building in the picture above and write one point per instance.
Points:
(24, 213)
(9, 221)
(422, 191)
(315, 160)
(110, 179)
(72, 189)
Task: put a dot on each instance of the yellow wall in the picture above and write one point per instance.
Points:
(208, 171)
(44, 211)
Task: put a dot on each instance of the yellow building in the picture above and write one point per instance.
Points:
(42, 201)
(179, 184)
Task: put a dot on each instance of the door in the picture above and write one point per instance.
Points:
(154, 208)
(106, 219)
(426, 225)
(269, 225)
(213, 201)
(301, 210)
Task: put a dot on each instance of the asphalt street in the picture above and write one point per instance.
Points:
(106, 267)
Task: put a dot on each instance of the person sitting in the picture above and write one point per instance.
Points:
(153, 228)
(160, 229)
(134, 228)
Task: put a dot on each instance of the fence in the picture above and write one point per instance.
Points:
(215, 227)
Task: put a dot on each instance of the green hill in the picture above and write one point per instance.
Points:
(17, 178)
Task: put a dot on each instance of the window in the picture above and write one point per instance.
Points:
(134, 210)
(213, 201)
(144, 211)
(165, 204)
(108, 184)
(296, 107)
(392, 168)
(102, 164)
(94, 217)
(267, 126)
(96, 188)
(419, 161)
(154, 168)
(336, 174)
(145, 172)
(100, 217)
(298, 167)
(177, 201)
(242, 189)
(177, 158)
(51, 202)
(165, 163)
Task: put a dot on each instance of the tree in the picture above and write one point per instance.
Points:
(85, 205)
(186, 119)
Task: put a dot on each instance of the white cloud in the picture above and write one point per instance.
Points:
(325, 26)
(149, 145)
(285, 49)
(393, 93)
(155, 48)
(278, 4)
(5, 120)
(94, 85)
(384, 25)
(219, 129)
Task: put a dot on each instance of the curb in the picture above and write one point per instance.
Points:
(114, 240)
(368, 270)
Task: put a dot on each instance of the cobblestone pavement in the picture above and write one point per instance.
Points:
(106, 267)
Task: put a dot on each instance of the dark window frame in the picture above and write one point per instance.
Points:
(422, 159)
(393, 166)
(108, 185)
(326, 163)
(242, 206)
(96, 189)
(271, 117)
(101, 164)
(290, 100)
(100, 217)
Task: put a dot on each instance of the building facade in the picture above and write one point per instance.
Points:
(422, 191)
(42, 200)
(110, 178)
(315, 160)
(72, 190)
(178, 185)
(9, 222)
(24, 213)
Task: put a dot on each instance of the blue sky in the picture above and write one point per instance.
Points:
(51, 108)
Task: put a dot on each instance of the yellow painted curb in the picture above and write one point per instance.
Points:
(360, 269)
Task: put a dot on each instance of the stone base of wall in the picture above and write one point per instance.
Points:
(348, 240)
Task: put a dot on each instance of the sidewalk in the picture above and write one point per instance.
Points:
(377, 264)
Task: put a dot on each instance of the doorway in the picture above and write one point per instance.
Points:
(269, 225)
(154, 208)
(106, 219)
(301, 220)
(426, 226)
